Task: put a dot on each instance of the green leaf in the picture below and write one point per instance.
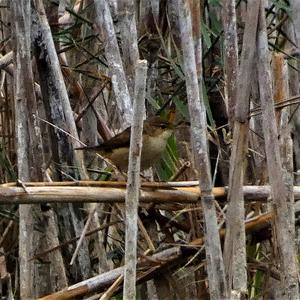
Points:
(181, 107)
(167, 166)
(177, 70)
(153, 102)
(283, 5)
(208, 109)
(216, 25)
(214, 2)
(206, 36)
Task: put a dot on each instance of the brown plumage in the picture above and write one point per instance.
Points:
(155, 135)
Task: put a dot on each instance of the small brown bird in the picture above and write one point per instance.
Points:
(155, 135)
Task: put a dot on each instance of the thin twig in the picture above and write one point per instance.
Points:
(65, 132)
(40, 254)
(83, 234)
(109, 293)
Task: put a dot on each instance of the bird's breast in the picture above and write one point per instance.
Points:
(153, 148)
(119, 157)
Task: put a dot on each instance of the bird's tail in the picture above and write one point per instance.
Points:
(95, 147)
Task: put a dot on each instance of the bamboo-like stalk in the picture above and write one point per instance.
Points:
(112, 53)
(235, 241)
(230, 57)
(282, 223)
(85, 194)
(215, 266)
(133, 182)
(129, 40)
(30, 159)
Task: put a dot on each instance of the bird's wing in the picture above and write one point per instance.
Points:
(118, 141)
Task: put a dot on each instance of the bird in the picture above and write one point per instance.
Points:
(156, 133)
